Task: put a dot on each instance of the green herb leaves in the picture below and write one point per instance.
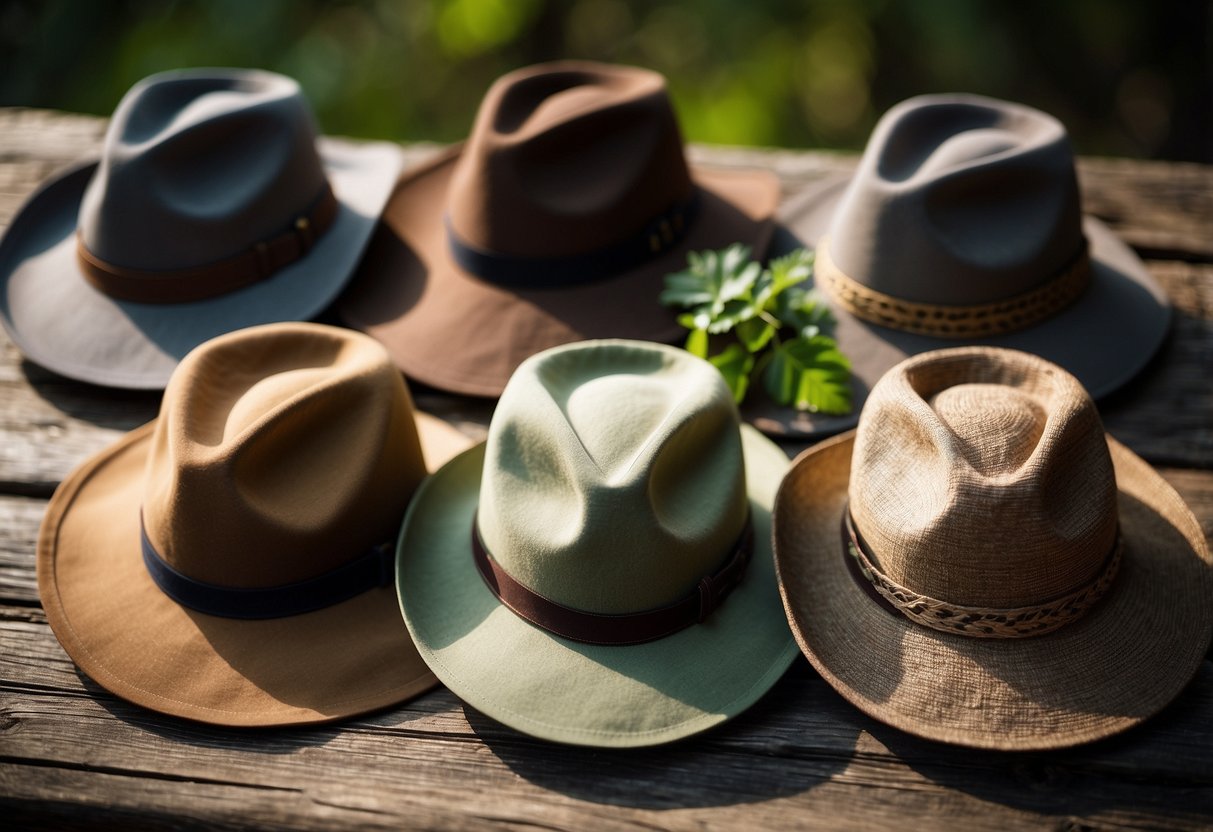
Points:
(781, 331)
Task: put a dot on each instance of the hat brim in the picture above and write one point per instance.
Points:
(581, 694)
(61, 321)
(1104, 338)
(135, 641)
(453, 331)
(1123, 661)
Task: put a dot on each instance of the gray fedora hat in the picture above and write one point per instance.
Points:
(214, 206)
(963, 225)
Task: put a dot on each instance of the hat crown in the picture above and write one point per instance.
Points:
(281, 453)
(198, 166)
(960, 199)
(567, 158)
(614, 478)
(982, 477)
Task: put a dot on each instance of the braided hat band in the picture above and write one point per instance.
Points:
(949, 320)
(979, 622)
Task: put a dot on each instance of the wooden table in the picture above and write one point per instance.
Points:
(74, 756)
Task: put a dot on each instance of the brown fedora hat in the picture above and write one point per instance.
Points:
(213, 207)
(230, 562)
(554, 222)
(979, 563)
(964, 224)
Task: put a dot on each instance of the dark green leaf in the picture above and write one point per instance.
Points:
(810, 374)
(805, 312)
(755, 333)
(735, 365)
(711, 278)
(779, 379)
(794, 267)
(697, 343)
(732, 313)
(724, 291)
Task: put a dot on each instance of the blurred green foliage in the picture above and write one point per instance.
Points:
(1127, 77)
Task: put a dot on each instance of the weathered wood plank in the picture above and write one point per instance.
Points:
(19, 519)
(1164, 210)
(798, 759)
(1166, 414)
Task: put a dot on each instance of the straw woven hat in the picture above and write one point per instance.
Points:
(599, 571)
(553, 223)
(963, 224)
(980, 564)
(213, 206)
(226, 562)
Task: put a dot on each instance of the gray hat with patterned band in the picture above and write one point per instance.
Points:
(963, 224)
(213, 207)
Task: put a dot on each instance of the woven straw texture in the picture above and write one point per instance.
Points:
(982, 477)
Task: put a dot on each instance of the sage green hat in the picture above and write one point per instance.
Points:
(617, 500)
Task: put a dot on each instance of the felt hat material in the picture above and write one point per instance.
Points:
(214, 206)
(553, 223)
(1016, 579)
(614, 480)
(282, 455)
(964, 220)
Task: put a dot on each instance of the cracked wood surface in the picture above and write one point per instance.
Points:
(72, 756)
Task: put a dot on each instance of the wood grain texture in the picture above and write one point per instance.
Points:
(801, 758)
(72, 756)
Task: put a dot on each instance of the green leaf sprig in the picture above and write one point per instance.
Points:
(781, 331)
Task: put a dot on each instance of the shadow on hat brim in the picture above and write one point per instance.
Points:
(456, 332)
(1122, 662)
(581, 694)
(59, 320)
(1104, 339)
(136, 642)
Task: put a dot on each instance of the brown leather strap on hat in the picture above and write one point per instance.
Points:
(199, 283)
(617, 629)
(657, 236)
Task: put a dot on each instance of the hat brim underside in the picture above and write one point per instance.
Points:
(1104, 339)
(565, 691)
(1122, 662)
(456, 332)
(59, 320)
(133, 640)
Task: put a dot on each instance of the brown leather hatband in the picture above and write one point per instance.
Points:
(619, 629)
(202, 282)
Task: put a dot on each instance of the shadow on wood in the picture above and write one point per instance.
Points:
(1137, 772)
(774, 749)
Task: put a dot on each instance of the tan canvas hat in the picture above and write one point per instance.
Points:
(227, 562)
(980, 564)
(599, 571)
(213, 206)
(554, 222)
(964, 224)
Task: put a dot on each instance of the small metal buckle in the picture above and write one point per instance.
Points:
(303, 230)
